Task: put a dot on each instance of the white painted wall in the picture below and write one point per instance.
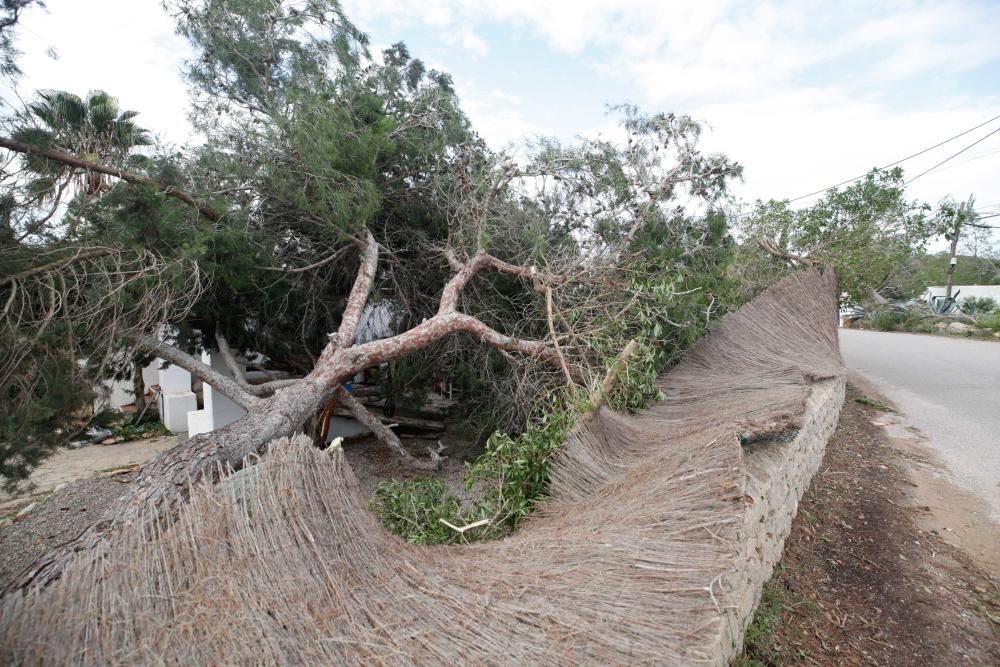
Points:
(117, 393)
(344, 427)
(978, 291)
(218, 410)
(176, 398)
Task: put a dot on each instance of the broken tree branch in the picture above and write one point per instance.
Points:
(73, 161)
(383, 433)
(598, 398)
(772, 249)
(196, 367)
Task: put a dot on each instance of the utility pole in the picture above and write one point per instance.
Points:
(952, 260)
(959, 213)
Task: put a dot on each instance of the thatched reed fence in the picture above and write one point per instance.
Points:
(627, 563)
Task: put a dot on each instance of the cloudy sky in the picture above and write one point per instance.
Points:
(804, 94)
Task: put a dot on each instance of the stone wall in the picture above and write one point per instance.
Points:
(777, 475)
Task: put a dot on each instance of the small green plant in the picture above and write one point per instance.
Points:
(122, 428)
(149, 426)
(413, 509)
(887, 320)
(759, 637)
(516, 470)
(873, 403)
(990, 321)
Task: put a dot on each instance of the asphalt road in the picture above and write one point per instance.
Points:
(948, 388)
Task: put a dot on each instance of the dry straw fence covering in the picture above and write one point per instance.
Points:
(627, 563)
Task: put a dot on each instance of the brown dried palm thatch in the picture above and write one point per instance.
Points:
(621, 565)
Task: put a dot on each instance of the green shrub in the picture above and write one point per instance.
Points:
(991, 321)
(516, 470)
(978, 305)
(413, 509)
(887, 320)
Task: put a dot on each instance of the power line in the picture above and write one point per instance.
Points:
(900, 161)
(951, 157)
(971, 159)
(975, 223)
(893, 164)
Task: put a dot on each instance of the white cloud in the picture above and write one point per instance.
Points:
(748, 70)
(797, 143)
(124, 47)
(720, 47)
(751, 71)
(498, 116)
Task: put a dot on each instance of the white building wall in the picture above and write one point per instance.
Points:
(966, 291)
(218, 410)
(176, 398)
(117, 393)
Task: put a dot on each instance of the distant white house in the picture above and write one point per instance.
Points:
(964, 292)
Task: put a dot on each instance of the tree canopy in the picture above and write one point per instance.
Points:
(313, 150)
(865, 231)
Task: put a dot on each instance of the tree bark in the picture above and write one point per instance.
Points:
(139, 390)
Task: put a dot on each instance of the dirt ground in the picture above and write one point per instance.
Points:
(887, 563)
(63, 496)
(70, 465)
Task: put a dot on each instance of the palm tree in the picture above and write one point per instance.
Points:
(94, 129)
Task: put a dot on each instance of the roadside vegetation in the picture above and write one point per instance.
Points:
(971, 317)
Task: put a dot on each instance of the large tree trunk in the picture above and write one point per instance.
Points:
(138, 390)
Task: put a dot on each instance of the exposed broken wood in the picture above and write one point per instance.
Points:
(598, 397)
(414, 423)
(384, 434)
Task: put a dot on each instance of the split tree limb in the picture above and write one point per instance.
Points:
(383, 433)
(772, 249)
(598, 398)
(198, 368)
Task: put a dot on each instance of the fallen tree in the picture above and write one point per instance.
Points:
(167, 477)
(326, 186)
(638, 556)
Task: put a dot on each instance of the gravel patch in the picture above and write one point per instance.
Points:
(58, 517)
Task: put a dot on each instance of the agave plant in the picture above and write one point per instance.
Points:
(945, 305)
